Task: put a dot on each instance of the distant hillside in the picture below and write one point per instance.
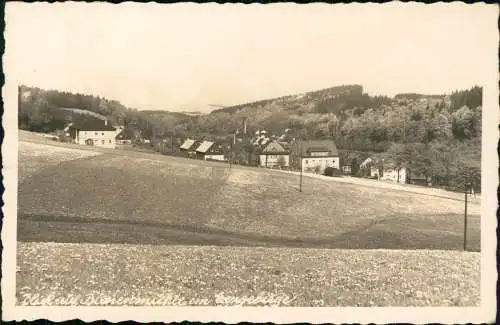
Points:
(292, 101)
(50, 110)
(163, 114)
(414, 96)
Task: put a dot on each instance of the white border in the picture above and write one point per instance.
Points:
(446, 315)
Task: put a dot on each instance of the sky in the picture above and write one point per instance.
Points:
(185, 57)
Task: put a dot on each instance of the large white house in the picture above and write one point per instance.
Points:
(315, 156)
(97, 133)
(274, 155)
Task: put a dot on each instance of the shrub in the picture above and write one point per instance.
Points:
(332, 172)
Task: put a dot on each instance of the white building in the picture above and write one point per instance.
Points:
(95, 133)
(274, 155)
(397, 175)
(375, 172)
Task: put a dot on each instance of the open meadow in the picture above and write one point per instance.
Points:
(109, 213)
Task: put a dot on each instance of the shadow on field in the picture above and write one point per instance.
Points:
(378, 234)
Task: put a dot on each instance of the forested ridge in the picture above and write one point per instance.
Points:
(437, 135)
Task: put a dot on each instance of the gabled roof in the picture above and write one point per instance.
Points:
(187, 144)
(204, 146)
(68, 127)
(285, 145)
(366, 162)
(274, 147)
(93, 125)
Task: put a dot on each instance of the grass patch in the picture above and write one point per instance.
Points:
(92, 274)
(122, 198)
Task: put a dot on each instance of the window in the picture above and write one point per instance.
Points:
(306, 161)
(109, 141)
(103, 142)
(95, 133)
(85, 132)
(103, 133)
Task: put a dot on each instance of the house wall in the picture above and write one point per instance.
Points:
(105, 139)
(374, 172)
(310, 163)
(392, 175)
(214, 157)
(273, 160)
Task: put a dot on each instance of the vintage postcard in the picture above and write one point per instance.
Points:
(264, 163)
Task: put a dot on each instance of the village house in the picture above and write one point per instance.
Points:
(124, 137)
(315, 156)
(274, 154)
(189, 147)
(372, 165)
(93, 132)
(375, 172)
(208, 150)
(402, 175)
(396, 175)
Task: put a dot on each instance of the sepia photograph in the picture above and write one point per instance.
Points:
(228, 158)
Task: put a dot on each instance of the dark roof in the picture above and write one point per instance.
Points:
(216, 149)
(315, 146)
(93, 125)
(125, 134)
(195, 145)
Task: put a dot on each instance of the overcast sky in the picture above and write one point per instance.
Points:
(187, 56)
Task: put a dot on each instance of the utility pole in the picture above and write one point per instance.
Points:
(465, 216)
(233, 140)
(300, 188)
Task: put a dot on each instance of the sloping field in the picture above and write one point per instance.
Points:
(97, 274)
(94, 227)
(126, 199)
(34, 157)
